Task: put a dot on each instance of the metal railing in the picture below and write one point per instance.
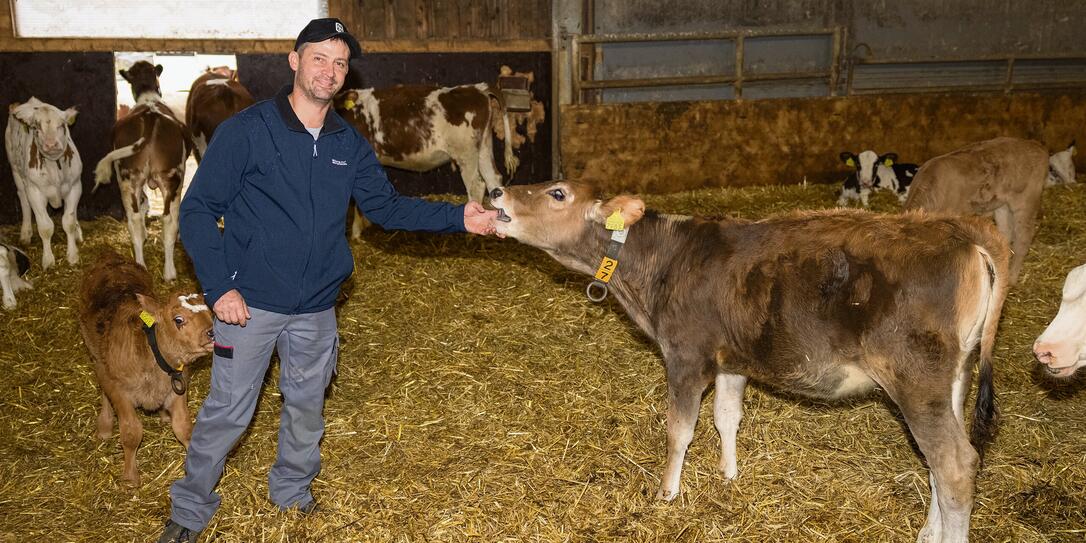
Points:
(585, 49)
(583, 80)
(1003, 62)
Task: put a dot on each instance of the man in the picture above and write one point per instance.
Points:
(280, 174)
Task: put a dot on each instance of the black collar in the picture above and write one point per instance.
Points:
(177, 380)
(332, 121)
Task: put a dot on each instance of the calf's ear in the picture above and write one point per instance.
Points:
(148, 304)
(848, 158)
(25, 115)
(888, 159)
(630, 208)
(69, 115)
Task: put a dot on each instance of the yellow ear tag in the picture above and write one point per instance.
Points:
(349, 104)
(71, 121)
(888, 162)
(147, 319)
(851, 163)
(615, 222)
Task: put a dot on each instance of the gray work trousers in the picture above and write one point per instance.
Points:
(308, 345)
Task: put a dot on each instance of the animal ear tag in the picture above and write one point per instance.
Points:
(615, 222)
(147, 319)
(850, 163)
(888, 162)
(349, 104)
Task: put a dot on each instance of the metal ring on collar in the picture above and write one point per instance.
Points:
(178, 384)
(599, 286)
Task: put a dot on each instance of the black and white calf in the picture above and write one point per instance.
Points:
(13, 266)
(873, 172)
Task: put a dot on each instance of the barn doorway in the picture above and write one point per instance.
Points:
(179, 70)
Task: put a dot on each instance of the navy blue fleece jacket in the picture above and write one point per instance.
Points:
(283, 198)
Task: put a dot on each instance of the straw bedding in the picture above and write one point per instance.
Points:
(481, 397)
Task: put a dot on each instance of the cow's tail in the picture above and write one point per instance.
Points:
(986, 413)
(511, 161)
(103, 173)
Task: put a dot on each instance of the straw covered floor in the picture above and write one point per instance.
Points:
(482, 397)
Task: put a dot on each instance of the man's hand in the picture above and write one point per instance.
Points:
(231, 309)
(477, 220)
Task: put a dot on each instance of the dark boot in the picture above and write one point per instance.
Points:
(176, 533)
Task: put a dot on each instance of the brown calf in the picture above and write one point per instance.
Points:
(214, 97)
(1002, 176)
(114, 294)
(825, 304)
(150, 147)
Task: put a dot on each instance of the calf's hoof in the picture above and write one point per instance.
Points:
(666, 495)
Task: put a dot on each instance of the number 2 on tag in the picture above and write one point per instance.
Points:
(607, 269)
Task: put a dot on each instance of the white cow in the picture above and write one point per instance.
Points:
(13, 266)
(1062, 346)
(46, 167)
(1061, 166)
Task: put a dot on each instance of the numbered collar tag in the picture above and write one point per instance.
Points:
(597, 289)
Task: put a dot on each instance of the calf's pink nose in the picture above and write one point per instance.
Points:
(1043, 353)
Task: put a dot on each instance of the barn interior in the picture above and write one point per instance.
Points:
(480, 396)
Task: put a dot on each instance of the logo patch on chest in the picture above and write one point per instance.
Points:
(339, 162)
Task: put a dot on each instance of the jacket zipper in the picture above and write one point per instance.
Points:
(312, 227)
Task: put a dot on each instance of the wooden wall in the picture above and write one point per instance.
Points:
(381, 26)
(673, 146)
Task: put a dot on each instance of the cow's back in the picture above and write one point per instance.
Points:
(809, 288)
(212, 99)
(165, 143)
(107, 294)
(980, 177)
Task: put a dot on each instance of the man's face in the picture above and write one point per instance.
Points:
(320, 69)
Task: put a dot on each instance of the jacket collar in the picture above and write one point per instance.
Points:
(332, 121)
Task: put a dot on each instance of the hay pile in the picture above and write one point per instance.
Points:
(481, 397)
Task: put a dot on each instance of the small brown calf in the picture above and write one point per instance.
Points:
(826, 304)
(113, 295)
(1002, 176)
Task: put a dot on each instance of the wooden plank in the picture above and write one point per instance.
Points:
(404, 12)
(476, 18)
(422, 19)
(390, 19)
(455, 46)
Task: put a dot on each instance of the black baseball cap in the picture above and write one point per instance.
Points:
(319, 30)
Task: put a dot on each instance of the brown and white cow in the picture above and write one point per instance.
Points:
(421, 127)
(1002, 176)
(13, 267)
(150, 147)
(1061, 348)
(116, 300)
(214, 97)
(826, 304)
(46, 167)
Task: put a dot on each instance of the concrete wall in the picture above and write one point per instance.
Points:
(671, 146)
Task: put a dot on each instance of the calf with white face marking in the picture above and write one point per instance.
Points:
(46, 167)
(825, 304)
(1003, 177)
(150, 147)
(874, 172)
(1061, 166)
(118, 317)
(13, 267)
(1061, 348)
